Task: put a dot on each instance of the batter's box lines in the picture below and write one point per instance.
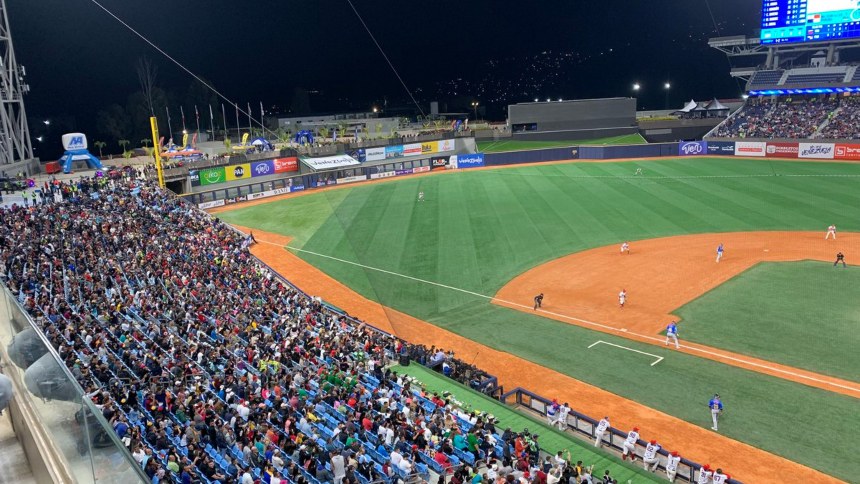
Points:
(658, 360)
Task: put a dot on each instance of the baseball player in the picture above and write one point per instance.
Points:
(420, 196)
(720, 252)
(622, 298)
(672, 332)
(840, 257)
(638, 172)
(538, 301)
(563, 412)
(552, 412)
(601, 429)
(719, 477)
(629, 444)
(650, 461)
(716, 406)
(830, 231)
(625, 247)
(705, 474)
(672, 465)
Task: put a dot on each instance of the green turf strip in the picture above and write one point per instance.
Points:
(518, 145)
(479, 229)
(551, 440)
(802, 314)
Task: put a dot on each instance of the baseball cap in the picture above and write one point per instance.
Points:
(706, 467)
(675, 453)
(636, 429)
(653, 442)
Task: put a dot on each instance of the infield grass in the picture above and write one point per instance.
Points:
(518, 145)
(478, 229)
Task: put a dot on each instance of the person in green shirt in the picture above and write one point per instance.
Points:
(472, 443)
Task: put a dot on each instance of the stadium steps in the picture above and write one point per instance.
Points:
(826, 121)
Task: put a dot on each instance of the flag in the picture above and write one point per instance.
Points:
(182, 111)
(197, 115)
(250, 127)
(262, 117)
(212, 121)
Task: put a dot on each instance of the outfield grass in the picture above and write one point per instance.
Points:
(477, 230)
(518, 145)
(551, 440)
(803, 314)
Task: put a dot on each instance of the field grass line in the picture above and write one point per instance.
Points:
(706, 351)
(659, 358)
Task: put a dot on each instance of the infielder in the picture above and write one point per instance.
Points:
(705, 474)
(830, 231)
(538, 301)
(672, 332)
(563, 412)
(719, 252)
(622, 298)
(719, 477)
(629, 444)
(625, 247)
(601, 429)
(840, 257)
(650, 461)
(716, 406)
(672, 465)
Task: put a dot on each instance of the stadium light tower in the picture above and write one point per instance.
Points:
(15, 136)
(667, 86)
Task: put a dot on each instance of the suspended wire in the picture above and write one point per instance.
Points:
(187, 70)
(719, 34)
(386, 57)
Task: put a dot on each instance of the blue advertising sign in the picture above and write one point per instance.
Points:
(393, 151)
(297, 188)
(470, 161)
(195, 178)
(721, 148)
(263, 168)
(692, 148)
(359, 154)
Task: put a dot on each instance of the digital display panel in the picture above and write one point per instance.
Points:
(785, 21)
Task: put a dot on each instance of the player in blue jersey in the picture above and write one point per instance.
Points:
(716, 406)
(672, 332)
(719, 252)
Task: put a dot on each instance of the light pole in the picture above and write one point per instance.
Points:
(475, 108)
(636, 88)
(667, 86)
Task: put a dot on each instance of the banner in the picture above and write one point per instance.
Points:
(692, 148)
(781, 150)
(430, 147)
(721, 148)
(194, 175)
(412, 149)
(421, 169)
(407, 171)
(268, 193)
(328, 162)
(263, 168)
(216, 203)
(238, 172)
(445, 145)
(374, 154)
(470, 161)
(749, 148)
(212, 176)
(847, 152)
(351, 179)
(359, 154)
(820, 151)
(393, 152)
(439, 162)
(283, 165)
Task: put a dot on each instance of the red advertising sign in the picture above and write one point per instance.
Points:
(782, 150)
(847, 152)
(283, 165)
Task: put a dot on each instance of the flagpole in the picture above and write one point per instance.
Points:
(197, 115)
(238, 127)
(182, 112)
(212, 122)
(224, 117)
(169, 126)
(250, 126)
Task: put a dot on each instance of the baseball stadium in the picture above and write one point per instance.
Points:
(583, 292)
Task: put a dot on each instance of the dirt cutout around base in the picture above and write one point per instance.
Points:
(744, 462)
(661, 275)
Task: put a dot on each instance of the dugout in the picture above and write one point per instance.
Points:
(573, 120)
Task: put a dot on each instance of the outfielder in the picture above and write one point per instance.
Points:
(672, 465)
(625, 247)
(719, 252)
(672, 332)
(622, 298)
(420, 196)
(601, 429)
(719, 477)
(705, 474)
(650, 461)
(830, 231)
(716, 406)
(629, 444)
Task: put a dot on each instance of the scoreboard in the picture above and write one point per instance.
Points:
(785, 21)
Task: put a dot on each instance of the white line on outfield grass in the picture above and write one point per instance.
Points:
(659, 358)
(579, 320)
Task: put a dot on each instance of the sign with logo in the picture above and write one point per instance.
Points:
(439, 161)
(238, 172)
(820, 151)
(847, 152)
(749, 148)
(374, 154)
(470, 161)
(194, 176)
(74, 141)
(384, 174)
(359, 155)
(211, 176)
(213, 204)
(721, 148)
(692, 148)
(445, 145)
(351, 179)
(283, 165)
(263, 168)
(421, 169)
(430, 147)
(781, 150)
(412, 149)
(328, 162)
(268, 193)
(407, 171)
(393, 152)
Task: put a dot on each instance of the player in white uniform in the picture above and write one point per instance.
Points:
(420, 196)
(672, 332)
(705, 474)
(830, 231)
(650, 461)
(719, 477)
(563, 412)
(629, 444)
(622, 298)
(672, 465)
(625, 247)
(601, 429)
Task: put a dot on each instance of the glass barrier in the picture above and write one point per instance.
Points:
(76, 428)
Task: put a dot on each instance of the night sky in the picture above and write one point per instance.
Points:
(79, 60)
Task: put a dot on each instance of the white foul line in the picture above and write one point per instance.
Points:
(583, 321)
(659, 358)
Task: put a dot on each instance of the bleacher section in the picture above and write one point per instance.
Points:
(794, 117)
(765, 78)
(816, 79)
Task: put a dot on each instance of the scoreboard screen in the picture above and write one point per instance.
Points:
(785, 21)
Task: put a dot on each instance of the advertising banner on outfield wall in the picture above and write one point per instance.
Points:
(285, 165)
(781, 150)
(262, 168)
(470, 161)
(421, 169)
(439, 162)
(194, 175)
(429, 147)
(820, 151)
(329, 162)
(216, 203)
(750, 148)
(445, 145)
(721, 148)
(412, 149)
(238, 172)
(351, 179)
(358, 154)
(211, 176)
(384, 174)
(847, 152)
(374, 154)
(393, 151)
(692, 148)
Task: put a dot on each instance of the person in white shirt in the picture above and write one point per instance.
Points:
(672, 465)
(705, 474)
(563, 412)
(629, 444)
(649, 459)
(395, 457)
(338, 467)
(601, 429)
(831, 230)
(242, 410)
(405, 466)
(719, 477)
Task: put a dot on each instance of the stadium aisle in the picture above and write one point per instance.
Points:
(12, 459)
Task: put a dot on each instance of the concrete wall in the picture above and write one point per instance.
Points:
(586, 114)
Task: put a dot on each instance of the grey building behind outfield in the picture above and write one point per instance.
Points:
(573, 120)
